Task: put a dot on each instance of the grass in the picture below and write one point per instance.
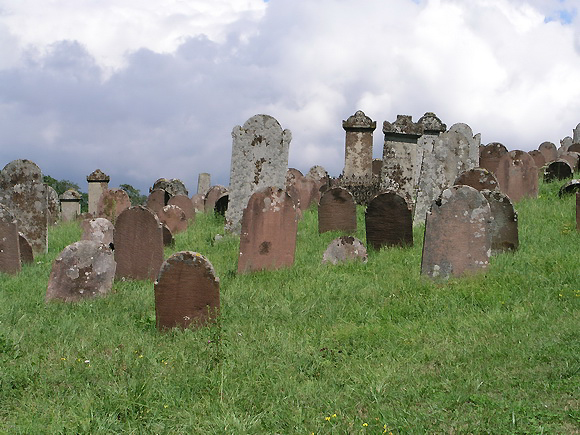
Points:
(355, 348)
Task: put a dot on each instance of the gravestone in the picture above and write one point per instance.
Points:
(490, 156)
(259, 160)
(578, 211)
(174, 218)
(504, 225)
(84, 269)
(187, 292)
(98, 184)
(517, 175)
(138, 244)
(389, 221)
(304, 190)
(336, 211)
(70, 205)
(318, 173)
(213, 194)
(168, 239)
(185, 204)
(572, 158)
(268, 234)
(575, 147)
(198, 202)
(358, 148)
(53, 206)
(570, 187)
(576, 134)
(549, 151)
(112, 203)
(157, 199)
(9, 244)
(345, 249)
(173, 186)
(457, 234)
(432, 128)
(538, 157)
(221, 205)
(557, 170)
(474, 141)
(564, 144)
(98, 230)
(478, 178)
(26, 253)
(24, 194)
(203, 183)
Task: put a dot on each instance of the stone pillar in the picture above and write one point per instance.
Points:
(400, 156)
(70, 205)
(98, 184)
(358, 152)
(203, 183)
(432, 128)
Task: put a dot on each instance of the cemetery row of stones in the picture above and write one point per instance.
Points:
(429, 175)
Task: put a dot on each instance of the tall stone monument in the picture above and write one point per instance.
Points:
(203, 183)
(98, 184)
(358, 151)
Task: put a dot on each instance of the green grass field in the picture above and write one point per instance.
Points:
(356, 348)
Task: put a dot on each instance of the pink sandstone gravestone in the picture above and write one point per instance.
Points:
(478, 178)
(504, 225)
(185, 204)
(9, 243)
(112, 203)
(174, 218)
(157, 199)
(98, 230)
(517, 175)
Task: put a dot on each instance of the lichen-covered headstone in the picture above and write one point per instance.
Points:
(549, 151)
(23, 192)
(9, 243)
(213, 194)
(157, 199)
(203, 183)
(259, 160)
(187, 292)
(268, 236)
(557, 170)
(70, 205)
(474, 141)
(185, 204)
(26, 253)
(198, 202)
(564, 144)
(389, 221)
(138, 242)
(432, 128)
(53, 206)
(84, 269)
(98, 183)
(174, 186)
(318, 173)
(457, 234)
(337, 211)
(478, 178)
(174, 218)
(344, 249)
(112, 203)
(517, 175)
(504, 225)
(490, 155)
(98, 230)
(358, 153)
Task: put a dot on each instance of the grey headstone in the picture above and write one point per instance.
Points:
(344, 249)
(504, 225)
(358, 153)
(70, 205)
(173, 186)
(53, 206)
(98, 230)
(203, 183)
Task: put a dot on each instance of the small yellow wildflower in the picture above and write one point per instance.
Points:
(327, 418)
(166, 406)
(63, 359)
(140, 356)
(334, 415)
(365, 424)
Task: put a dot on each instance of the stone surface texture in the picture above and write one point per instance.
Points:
(478, 178)
(174, 218)
(98, 230)
(203, 183)
(490, 155)
(337, 211)
(98, 183)
(358, 150)
(198, 202)
(174, 186)
(9, 243)
(549, 151)
(573, 158)
(389, 221)
(112, 203)
(26, 253)
(576, 134)
(157, 199)
(185, 204)
(474, 142)
(557, 170)
(517, 175)
(504, 225)
(70, 205)
(53, 205)
(345, 249)
(213, 194)
(570, 187)
(539, 158)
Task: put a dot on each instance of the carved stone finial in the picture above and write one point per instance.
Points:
(359, 121)
(403, 125)
(431, 123)
(98, 175)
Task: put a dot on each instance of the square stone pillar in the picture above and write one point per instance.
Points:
(70, 205)
(98, 184)
(203, 183)
(358, 150)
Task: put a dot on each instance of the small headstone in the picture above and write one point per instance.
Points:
(9, 243)
(457, 234)
(213, 194)
(157, 199)
(53, 206)
(549, 151)
(478, 178)
(70, 205)
(517, 175)
(185, 204)
(98, 230)
(336, 211)
(490, 155)
(358, 154)
(557, 170)
(173, 186)
(112, 203)
(570, 187)
(26, 254)
(474, 141)
(203, 183)
(198, 202)
(318, 173)
(174, 218)
(504, 226)
(221, 205)
(344, 249)
(268, 238)
(98, 183)
(138, 242)
(389, 221)
(84, 269)
(538, 157)
(187, 292)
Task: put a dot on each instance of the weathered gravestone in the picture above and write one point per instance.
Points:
(557, 170)
(268, 236)
(26, 253)
(24, 194)
(344, 249)
(565, 144)
(490, 155)
(474, 142)
(504, 225)
(213, 194)
(138, 242)
(570, 187)
(304, 190)
(538, 157)
(157, 199)
(432, 128)
(173, 186)
(389, 221)
(112, 203)
(198, 201)
(168, 239)
(84, 269)
(575, 147)
(572, 158)
(457, 234)
(9, 243)
(70, 205)
(53, 205)
(336, 211)
(517, 175)
(576, 134)
(478, 178)
(318, 173)
(98, 184)
(549, 151)
(185, 204)
(203, 183)
(174, 218)
(98, 230)
(358, 149)
(259, 160)
(187, 292)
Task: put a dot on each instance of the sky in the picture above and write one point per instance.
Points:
(145, 89)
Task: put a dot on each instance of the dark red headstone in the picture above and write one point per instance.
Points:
(187, 292)
(168, 239)
(112, 203)
(336, 211)
(174, 218)
(517, 175)
(504, 226)
(570, 187)
(26, 252)
(157, 199)
(185, 204)
(389, 221)
(489, 156)
(9, 243)
(478, 178)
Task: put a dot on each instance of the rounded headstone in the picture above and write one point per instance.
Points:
(557, 170)
(157, 199)
(478, 178)
(572, 158)
(53, 206)
(198, 201)
(185, 204)
(98, 230)
(174, 218)
(173, 186)
(549, 151)
(575, 147)
(213, 194)
(490, 155)
(504, 226)
(344, 249)
(336, 211)
(517, 175)
(112, 203)
(389, 221)
(538, 157)
(570, 187)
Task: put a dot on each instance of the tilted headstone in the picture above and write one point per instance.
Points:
(213, 194)
(23, 192)
(304, 190)
(98, 183)
(138, 242)
(268, 235)
(157, 199)
(490, 155)
(26, 253)
(457, 234)
(112, 203)
(389, 221)
(70, 205)
(174, 218)
(478, 178)
(187, 292)
(570, 187)
(185, 204)
(198, 202)
(517, 175)
(336, 211)
(9, 243)
(344, 249)
(504, 225)
(539, 158)
(173, 186)
(549, 151)
(84, 269)
(358, 150)
(53, 206)
(557, 170)
(98, 230)
(259, 160)
(203, 183)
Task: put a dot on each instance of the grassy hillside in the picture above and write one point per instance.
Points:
(357, 348)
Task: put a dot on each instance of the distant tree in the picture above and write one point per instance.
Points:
(62, 186)
(134, 194)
